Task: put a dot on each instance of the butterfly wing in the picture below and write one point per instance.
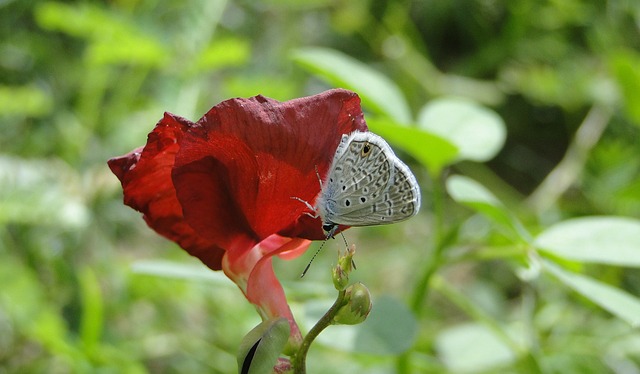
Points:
(368, 185)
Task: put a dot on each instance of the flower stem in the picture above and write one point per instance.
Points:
(431, 266)
(299, 361)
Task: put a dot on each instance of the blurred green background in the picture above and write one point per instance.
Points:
(85, 286)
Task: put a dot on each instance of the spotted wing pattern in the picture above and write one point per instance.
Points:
(367, 184)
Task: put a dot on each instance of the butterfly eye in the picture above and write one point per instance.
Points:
(366, 149)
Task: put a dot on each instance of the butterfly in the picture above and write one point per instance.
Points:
(366, 185)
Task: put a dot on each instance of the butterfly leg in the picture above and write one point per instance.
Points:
(318, 175)
(315, 213)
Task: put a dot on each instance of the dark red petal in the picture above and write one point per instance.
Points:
(145, 175)
(237, 170)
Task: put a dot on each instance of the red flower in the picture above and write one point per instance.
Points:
(222, 187)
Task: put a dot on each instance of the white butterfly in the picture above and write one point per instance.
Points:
(367, 185)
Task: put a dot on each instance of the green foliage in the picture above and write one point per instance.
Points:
(456, 119)
(375, 336)
(488, 101)
(377, 91)
(604, 240)
(261, 347)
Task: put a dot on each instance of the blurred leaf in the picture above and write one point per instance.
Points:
(134, 50)
(605, 240)
(115, 38)
(566, 82)
(91, 322)
(472, 348)
(375, 335)
(625, 69)
(470, 193)
(223, 52)
(614, 300)
(262, 346)
(23, 299)
(269, 85)
(40, 192)
(29, 100)
(180, 271)
(430, 150)
(478, 132)
(296, 5)
(82, 20)
(377, 92)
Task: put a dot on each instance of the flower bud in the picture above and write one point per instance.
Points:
(345, 266)
(357, 305)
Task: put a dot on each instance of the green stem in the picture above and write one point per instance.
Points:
(462, 302)
(421, 290)
(299, 361)
(432, 264)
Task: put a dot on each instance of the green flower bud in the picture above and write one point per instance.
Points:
(345, 266)
(357, 305)
(340, 278)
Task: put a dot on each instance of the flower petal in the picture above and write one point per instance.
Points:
(145, 175)
(253, 273)
(239, 169)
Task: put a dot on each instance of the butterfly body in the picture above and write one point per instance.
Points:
(366, 185)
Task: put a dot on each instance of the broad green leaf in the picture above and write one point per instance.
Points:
(478, 132)
(376, 335)
(605, 240)
(262, 346)
(470, 193)
(472, 348)
(430, 150)
(614, 300)
(377, 92)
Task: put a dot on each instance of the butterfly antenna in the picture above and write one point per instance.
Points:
(329, 235)
(312, 258)
(345, 240)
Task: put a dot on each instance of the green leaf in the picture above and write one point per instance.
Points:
(177, 270)
(472, 348)
(269, 85)
(28, 100)
(614, 300)
(92, 319)
(430, 150)
(605, 240)
(625, 69)
(114, 38)
(376, 335)
(134, 50)
(377, 92)
(223, 52)
(470, 193)
(262, 346)
(478, 132)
